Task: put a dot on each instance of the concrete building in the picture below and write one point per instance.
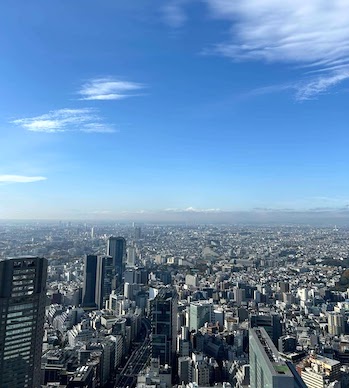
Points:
(131, 256)
(319, 372)
(336, 323)
(192, 280)
(200, 370)
(155, 376)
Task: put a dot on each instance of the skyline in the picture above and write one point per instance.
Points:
(201, 109)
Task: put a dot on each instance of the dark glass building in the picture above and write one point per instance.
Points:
(104, 279)
(22, 311)
(117, 250)
(163, 315)
(89, 286)
(271, 323)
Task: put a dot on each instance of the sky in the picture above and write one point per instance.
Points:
(170, 109)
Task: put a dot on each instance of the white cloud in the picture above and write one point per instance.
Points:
(62, 120)
(174, 14)
(97, 128)
(308, 89)
(101, 212)
(20, 178)
(309, 33)
(191, 209)
(108, 89)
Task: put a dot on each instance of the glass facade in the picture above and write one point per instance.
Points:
(164, 325)
(22, 308)
(117, 249)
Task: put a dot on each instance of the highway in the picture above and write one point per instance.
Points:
(137, 361)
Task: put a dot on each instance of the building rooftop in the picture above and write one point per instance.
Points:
(271, 353)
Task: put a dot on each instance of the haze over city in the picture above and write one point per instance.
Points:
(179, 111)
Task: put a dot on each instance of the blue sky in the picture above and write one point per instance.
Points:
(115, 109)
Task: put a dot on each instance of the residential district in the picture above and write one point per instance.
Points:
(156, 306)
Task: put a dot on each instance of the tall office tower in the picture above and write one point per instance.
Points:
(199, 313)
(138, 232)
(163, 314)
(117, 250)
(22, 311)
(336, 323)
(105, 276)
(131, 256)
(266, 367)
(271, 323)
(89, 286)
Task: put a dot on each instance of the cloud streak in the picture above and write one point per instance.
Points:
(192, 210)
(20, 179)
(311, 34)
(108, 89)
(64, 120)
(174, 14)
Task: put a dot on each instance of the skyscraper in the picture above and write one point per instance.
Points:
(164, 325)
(105, 275)
(336, 323)
(266, 367)
(131, 256)
(116, 248)
(138, 232)
(89, 285)
(22, 311)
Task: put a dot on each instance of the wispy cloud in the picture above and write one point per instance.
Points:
(306, 89)
(20, 178)
(309, 89)
(191, 209)
(63, 120)
(108, 89)
(310, 33)
(174, 14)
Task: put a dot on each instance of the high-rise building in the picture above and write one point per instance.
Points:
(105, 276)
(117, 250)
(200, 370)
(283, 287)
(336, 323)
(22, 311)
(138, 232)
(266, 367)
(131, 256)
(199, 313)
(89, 285)
(163, 314)
(271, 323)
